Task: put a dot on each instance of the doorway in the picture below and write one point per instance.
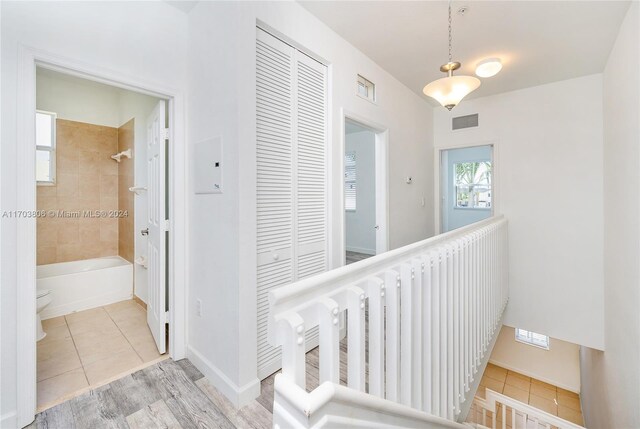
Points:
(364, 187)
(466, 186)
(172, 226)
(100, 167)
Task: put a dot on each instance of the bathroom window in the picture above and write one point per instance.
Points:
(350, 181)
(45, 148)
(532, 338)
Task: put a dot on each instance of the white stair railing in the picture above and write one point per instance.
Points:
(497, 411)
(427, 313)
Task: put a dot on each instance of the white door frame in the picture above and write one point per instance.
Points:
(28, 58)
(437, 186)
(382, 181)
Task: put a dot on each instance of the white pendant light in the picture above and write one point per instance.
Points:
(450, 90)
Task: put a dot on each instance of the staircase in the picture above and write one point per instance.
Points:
(418, 323)
(500, 411)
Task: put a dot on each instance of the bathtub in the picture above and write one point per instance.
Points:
(80, 285)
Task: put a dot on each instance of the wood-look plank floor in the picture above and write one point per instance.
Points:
(171, 394)
(355, 257)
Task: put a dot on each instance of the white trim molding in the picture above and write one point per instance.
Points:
(28, 59)
(238, 395)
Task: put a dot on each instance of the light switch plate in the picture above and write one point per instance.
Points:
(208, 166)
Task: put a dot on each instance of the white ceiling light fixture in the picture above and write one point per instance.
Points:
(450, 90)
(489, 67)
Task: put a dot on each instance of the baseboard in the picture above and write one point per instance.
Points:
(9, 420)
(361, 250)
(532, 375)
(238, 395)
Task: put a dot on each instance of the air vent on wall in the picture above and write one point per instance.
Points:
(467, 121)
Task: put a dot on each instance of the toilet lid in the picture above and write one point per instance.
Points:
(43, 292)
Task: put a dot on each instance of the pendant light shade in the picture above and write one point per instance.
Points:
(450, 90)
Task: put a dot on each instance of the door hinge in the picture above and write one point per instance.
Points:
(165, 225)
(165, 133)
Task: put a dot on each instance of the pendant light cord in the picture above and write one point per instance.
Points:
(450, 39)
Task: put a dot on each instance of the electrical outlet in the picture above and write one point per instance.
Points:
(199, 307)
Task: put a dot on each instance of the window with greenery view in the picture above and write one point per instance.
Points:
(472, 181)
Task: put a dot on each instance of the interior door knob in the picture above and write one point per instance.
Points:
(144, 231)
(377, 227)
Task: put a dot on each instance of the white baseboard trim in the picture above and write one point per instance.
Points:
(9, 420)
(238, 395)
(361, 250)
(573, 389)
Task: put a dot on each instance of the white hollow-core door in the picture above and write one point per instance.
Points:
(156, 250)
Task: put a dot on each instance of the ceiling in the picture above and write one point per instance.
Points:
(183, 5)
(538, 41)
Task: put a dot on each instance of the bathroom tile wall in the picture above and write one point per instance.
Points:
(125, 197)
(86, 179)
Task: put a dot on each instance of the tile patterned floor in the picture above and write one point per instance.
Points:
(552, 399)
(89, 348)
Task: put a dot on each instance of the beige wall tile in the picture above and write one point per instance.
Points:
(86, 177)
(69, 233)
(67, 162)
(89, 163)
(66, 184)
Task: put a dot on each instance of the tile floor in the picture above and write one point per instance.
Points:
(552, 399)
(89, 348)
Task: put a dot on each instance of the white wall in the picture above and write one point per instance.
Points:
(360, 223)
(611, 380)
(103, 34)
(548, 184)
(452, 216)
(77, 99)
(222, 103)
(560, 365)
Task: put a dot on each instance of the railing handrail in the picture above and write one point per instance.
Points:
(312, 402)
(306, 290)
(492, 397)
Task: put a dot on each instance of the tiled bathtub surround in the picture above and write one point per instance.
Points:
(125, 197)
(86, 179)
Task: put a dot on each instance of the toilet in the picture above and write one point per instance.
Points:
(43, 298)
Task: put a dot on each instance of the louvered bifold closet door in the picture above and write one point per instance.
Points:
(311, 206)
(274, 146)
(291, 90)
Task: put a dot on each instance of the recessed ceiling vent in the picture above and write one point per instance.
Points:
(467, 121)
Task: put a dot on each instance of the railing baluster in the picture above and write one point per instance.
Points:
(456, 328)
(444, 318)
(417, 277)
(392, 304)
(435, 338)
(407, 324)
(356, 338)
(290, 330)
(328, 312)
(376, 292)
(427, 345)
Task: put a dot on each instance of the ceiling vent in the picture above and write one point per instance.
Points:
(462, 122)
